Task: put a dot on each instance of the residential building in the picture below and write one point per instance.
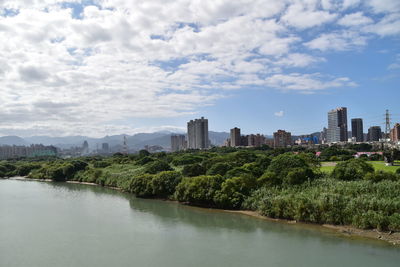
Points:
(255, 140)
(197, 131)
(282, 138)
(11, 152)
(395, 133)
(357, 129)
(374, 133)
(178, 142)
(337, 125)
(235, 137)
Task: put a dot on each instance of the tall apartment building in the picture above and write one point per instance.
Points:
(395, 133)
(178, 143)
(10, 152)
(282, 138)
(337, 125)
(374, 133)
(357, 129)
(197, 131)
(255, 140)
(235, 137)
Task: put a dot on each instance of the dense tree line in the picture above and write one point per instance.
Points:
(277, 183)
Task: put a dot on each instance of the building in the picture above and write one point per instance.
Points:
(12, 152)
(178, 143)
(374, 133)
(357, 129)
(105, 148)
(395, 133)
(197, 131)
(255, 140)
(282, 138)
(337, 125)
(235, 137)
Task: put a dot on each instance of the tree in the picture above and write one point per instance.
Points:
(192, 170)
(164, 183)
(157, 166)
(220, 168)
(234, 191)
(354, 169)
(141, 185)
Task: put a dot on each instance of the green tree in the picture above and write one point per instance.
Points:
(164, 183)
(192, 170)
(354, 169)
(157, 166)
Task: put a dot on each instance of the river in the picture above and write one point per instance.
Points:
(59, 224)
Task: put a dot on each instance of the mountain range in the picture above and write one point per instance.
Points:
(136, 141)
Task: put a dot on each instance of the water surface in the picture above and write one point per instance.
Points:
(59, 224)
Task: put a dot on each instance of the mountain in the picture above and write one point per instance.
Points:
(136, 141)
(13, 140)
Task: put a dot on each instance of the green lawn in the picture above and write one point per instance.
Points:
(378, 165)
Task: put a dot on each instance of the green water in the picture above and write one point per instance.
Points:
(59, 224)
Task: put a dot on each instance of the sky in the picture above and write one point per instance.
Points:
(109, 67)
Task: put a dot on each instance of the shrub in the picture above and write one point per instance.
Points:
(238, 171)
(398, 171)
(192, 170)
(354, 169)
(379, 176)
(164, 183)
(141, 185)
(186, 159)
(298, 176)
(199, 190)
(220, 168)
(157, 166)
(234, 191)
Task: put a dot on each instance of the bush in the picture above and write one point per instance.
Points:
(298, 176)
(164, 183)
(142, 185)
(398, 171)
(186, 159)
(220, 168)
(234, 191)
(157, 166)
(379, 176)
(238, 171)
(199, 190)
(192, 170)
(354, 169)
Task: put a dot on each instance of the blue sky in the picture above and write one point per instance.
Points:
(111, 66)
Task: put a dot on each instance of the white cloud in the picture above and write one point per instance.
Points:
(279, 113)
(306, 83)
(339, 41)
(121, 60)
(355, 19)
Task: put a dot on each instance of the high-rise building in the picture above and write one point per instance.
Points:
(357, 129)
(395, 133)
(178, 143)
(105, 148)
(197, 131)
(235, 137)
(282, 138)
(255, 140)
(337, 125)
(374, 133)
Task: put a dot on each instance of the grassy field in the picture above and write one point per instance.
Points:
(328, 167)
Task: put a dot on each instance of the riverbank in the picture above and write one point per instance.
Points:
(392, 238)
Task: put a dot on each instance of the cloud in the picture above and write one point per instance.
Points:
(306, 83)
(89, 67)
(279, 113)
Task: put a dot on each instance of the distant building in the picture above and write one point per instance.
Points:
(197, 131)
(255, 140)
(178, 143)
(374, 133)
(337, 125)
(235, 137)
(357, 129)
(85, 148)
(11, 152)
(395, 133)
(244, 140)
(105, 148)
(282, 138)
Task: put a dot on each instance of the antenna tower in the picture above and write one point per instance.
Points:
(387, 123)
(125, 147)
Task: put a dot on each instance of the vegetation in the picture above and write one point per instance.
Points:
(277, 183)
